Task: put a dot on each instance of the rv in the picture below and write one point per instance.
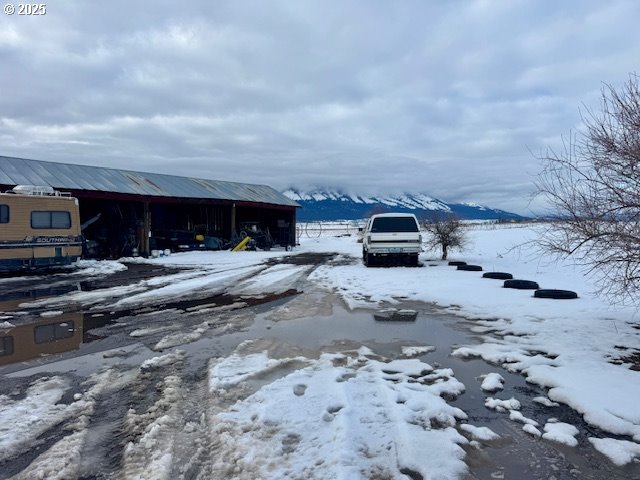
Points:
(39, 227)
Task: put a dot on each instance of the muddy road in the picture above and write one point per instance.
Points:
(132, 354)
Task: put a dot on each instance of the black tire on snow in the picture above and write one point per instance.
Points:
(555, 294)
(498, 275)
(521, 284)
(413, 261)
(456, 263)
(470, 268)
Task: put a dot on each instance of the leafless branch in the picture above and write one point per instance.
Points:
(593, 186)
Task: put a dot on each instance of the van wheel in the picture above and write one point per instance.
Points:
(413, 261)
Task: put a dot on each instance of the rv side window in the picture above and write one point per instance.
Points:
(52, 332)
(4, 213)
(6, 346)
(50, 219)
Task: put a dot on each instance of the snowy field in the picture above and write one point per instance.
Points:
(346, 412)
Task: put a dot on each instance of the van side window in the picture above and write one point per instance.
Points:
(4, 213)
(51, 219)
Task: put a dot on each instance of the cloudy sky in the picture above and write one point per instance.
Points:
(448, 98)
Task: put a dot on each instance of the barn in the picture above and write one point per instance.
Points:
(123, 211)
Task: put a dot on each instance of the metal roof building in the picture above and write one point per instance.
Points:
(135, 210)
(20, 171)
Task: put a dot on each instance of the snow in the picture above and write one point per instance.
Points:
(348, 421)
(479, 433)
(561, 432)
(492, 382)
(276, 279)
(414, 351)
(620, 452)
(181, 338)
(502, 405)
(516, 416)
(545, 401)
(149, 457)
(163, 360)
(38, 412)
(531, 430)
(238, 368)
(98, 267)
(22, 421)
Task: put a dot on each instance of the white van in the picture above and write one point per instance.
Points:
(392, 236)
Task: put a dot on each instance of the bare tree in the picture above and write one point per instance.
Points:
(593, 188)
(445, 231)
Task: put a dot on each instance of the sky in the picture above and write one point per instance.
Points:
(455, 99)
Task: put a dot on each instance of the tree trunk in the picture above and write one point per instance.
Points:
(444, 252)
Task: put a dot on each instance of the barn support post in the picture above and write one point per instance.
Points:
(294, 240)
(146, 230)
(233, 219)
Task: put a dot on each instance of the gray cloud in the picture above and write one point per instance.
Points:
(447, 98)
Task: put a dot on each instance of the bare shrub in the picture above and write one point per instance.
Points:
(593, 188)
(445, 231)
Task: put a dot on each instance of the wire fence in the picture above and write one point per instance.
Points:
(328, 229)
(319, 229)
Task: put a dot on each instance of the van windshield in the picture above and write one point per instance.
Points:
(394, 224)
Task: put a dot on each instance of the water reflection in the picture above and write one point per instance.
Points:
(41, 336)
(10, 300)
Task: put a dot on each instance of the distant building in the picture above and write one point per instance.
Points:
(125, 211)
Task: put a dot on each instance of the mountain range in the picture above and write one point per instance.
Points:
(325, 205)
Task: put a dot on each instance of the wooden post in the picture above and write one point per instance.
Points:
(233, 219)
(293, 240)
(146, 229)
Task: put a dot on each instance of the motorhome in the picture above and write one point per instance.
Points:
(39, 227)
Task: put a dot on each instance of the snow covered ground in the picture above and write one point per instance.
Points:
(564, 345)
(353, 413)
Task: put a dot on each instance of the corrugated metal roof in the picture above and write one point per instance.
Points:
(20, 171)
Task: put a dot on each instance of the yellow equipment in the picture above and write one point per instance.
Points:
(242, 245)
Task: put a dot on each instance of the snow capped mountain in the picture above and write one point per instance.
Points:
(337, 205)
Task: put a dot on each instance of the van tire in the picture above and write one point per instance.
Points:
(498, 275)
(368, 260)
(521, 284)
(456, 263)
(470, 268)
(555, 294)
